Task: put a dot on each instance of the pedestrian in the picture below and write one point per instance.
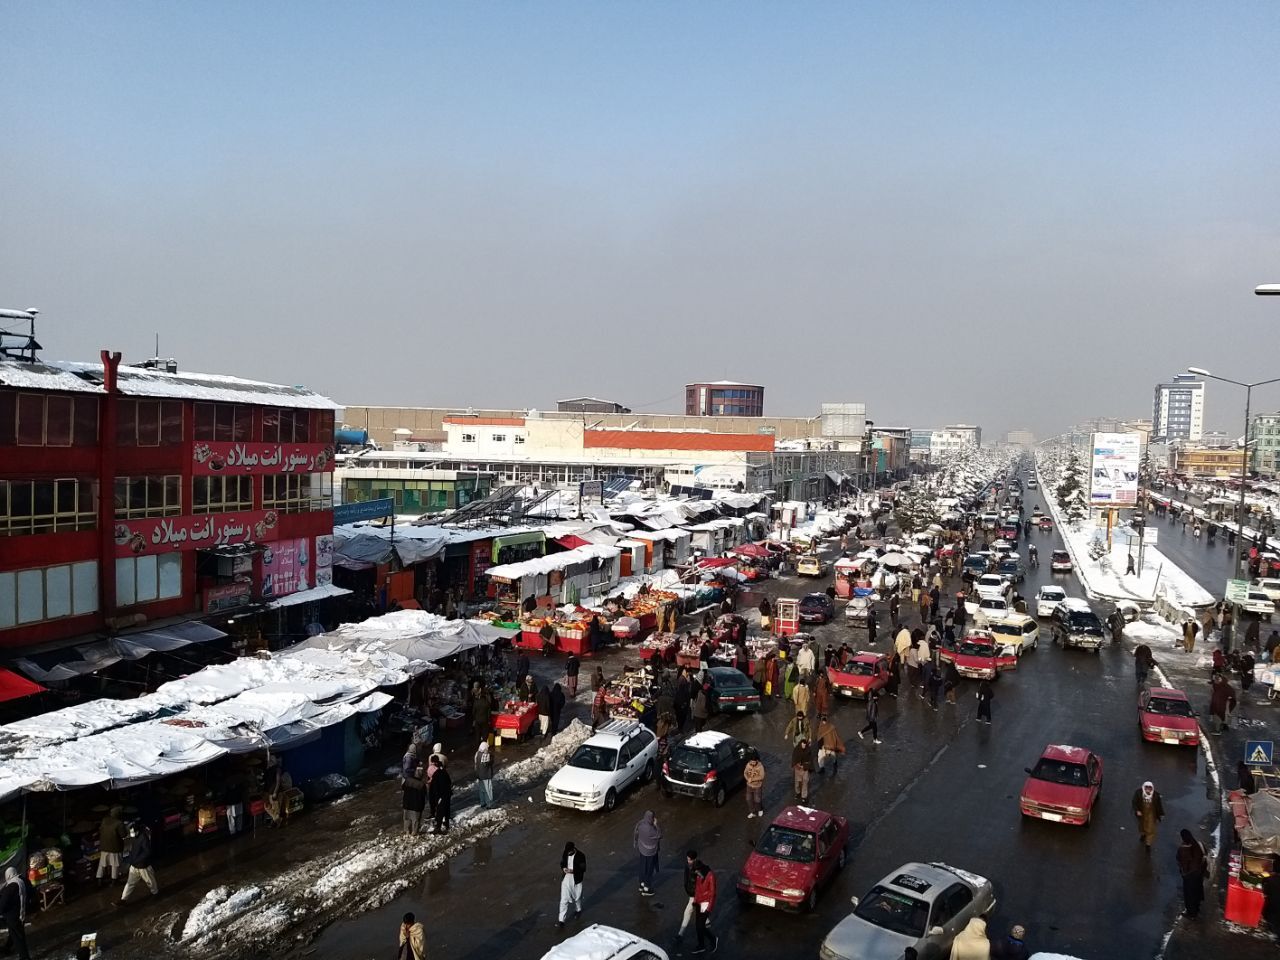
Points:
(572, 667)
(484, 774)
(829, 744)
(926, 676)
(599, 709)
(797, 729)
(413, 939)
(1149, 809)
(481, 715)
(701, 707)
(913, 667)
(871, 625)
(822, 690)
(800, 696)
(13, 908)
(951, 681)
(902, 643)
(1192, 861)
(140, 868)
(690, 888)
(557, 707)
(753, 775)
(894, 604)
(972, 943)
(522, 665)
(1143, 661)
(801, 767)
(873, 714)
(895, 676)
(573, 868)
(237, 797)
(766, 617)
(704, 895)
(111, 834)
(935, 686)
(440, 792)
(985, 695)
(647, 839)
(1222, 701)
(1129, 570)
(543, 700)
(413, 800)
(1014, 946)
(806, 662)
(1252, 634)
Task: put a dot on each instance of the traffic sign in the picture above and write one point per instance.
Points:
(1237, 591)
(1259, 752)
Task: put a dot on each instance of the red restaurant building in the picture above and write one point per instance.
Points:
(131, 495)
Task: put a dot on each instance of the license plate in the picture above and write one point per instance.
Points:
(766, 901)
(1172, 740)
(741, 706)
(1055, 817)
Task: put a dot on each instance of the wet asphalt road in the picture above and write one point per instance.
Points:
(941, 787)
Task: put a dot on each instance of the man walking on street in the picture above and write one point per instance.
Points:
(753, 774)
(985, 696)
(1149, 809)
(484, 774)
(873, 713)
(1222, 700)
(1189, 628)
(571, 669)
(1192, 861)
(13, 909)
(573, 867)
(648, 841)
(801, 767)
(704, 895)
(829, 744)
(140, 868)
(111, 836)
(690, 887)
(1143, 661)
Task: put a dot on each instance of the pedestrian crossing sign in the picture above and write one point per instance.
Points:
(1259, 752)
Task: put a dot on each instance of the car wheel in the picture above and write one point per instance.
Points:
(610, 799)
(647, 775)
(840, 860)
(717, 798)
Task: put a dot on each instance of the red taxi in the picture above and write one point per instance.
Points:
(1046, 522)
(1165, 716)
(1063, 786)
(981, 656)
(863, 673)
(799, 852)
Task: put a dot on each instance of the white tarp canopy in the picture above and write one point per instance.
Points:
(406, 641)
(308, 596)
(554, 561)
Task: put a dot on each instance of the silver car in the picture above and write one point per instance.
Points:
(921, 905)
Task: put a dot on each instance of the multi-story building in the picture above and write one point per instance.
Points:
(1178, 411)
(1264, 444)
(1020, 438)
(1205, 462)
(723, 398)
(953, 439)
(590, 405)
(135, 494)
(921, 446)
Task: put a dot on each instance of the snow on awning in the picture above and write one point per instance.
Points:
(572, 541)
(135, 646)
(321, 592)
(555, 561)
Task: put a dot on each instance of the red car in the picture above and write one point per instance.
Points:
(1165, 716)
(1046, 522)
(800, 851)
(863, 673)
(980, 656)
(1064, 785)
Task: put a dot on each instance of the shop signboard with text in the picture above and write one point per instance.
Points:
(1113, 470)
(230, 596)
(285, 567)
(324, 560)
(211, 458)
(204, 532)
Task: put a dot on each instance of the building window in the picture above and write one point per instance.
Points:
(148, 423)
(48, 593)
(223, 422)
(468, 438)
(221, 494)
(147, 579)
(47, 420)
(287, 425)
(499, 438)
(324, 426)
(47, 506)
(137, 497)
(297, 493)
(519, 439)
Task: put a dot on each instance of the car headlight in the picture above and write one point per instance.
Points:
(1075, 810)
(592, 794)
(793, 892)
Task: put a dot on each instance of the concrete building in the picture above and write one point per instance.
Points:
(920, 446)
(1178, 410)
(951, 440)
(723, 398)
(1264, 439)
(1020, 438)
(590, 405)
(1204, 462)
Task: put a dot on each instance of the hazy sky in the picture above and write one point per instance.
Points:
(1012, 214)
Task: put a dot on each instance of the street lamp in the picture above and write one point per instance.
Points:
(1244, 452)
(1267, 289)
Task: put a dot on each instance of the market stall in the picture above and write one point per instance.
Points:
(847, 574)
(786, 616)
(515, 719)
(1253, 859)
(588, 570)
(631, 693)
(662, 647)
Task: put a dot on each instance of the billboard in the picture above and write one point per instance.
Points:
(1113, 471)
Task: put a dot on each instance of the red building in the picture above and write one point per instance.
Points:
(130, 495)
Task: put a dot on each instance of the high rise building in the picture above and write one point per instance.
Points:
(1178, 411)
(723, 398)
(1020, 438)
(1264, 437)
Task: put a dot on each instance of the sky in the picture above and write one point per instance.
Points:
(1019, 215)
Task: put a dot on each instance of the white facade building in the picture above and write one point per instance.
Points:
(1178, 410)
(951, 440)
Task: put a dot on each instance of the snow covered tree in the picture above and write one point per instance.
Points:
(915, 510)
(1069, 485)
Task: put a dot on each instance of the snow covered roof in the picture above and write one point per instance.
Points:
(68, 375)
(554, 561)
(308, 596)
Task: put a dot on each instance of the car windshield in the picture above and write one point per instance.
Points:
(812, 603)
(862, 669)
(785, 844)
(591, 757)
(1052, 594)
(993, 603)
(1061, 555)
(1060, 771)
(1085, 622)
(894, 911)
(1168, 707)
(971, 648)
(1006, 629)
(687, 758)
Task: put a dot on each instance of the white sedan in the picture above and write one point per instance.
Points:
(1047, 600)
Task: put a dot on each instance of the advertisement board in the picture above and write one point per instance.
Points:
(1113, 470)
(286, 567)
(324, 560)
(201, 532)
(210, 458)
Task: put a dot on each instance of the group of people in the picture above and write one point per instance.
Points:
(425, 787)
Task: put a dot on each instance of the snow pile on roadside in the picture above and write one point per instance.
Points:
(548, 759)
(298, 903)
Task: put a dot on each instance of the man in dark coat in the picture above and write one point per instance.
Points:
(572, 667)
(557, 707)
(481, 714)
(522, 666)
(1222, 700)
(1192, 862)
(140, 868)
(111, 834)
(440, 793)
(413, 802)
(13, 910)
(543, 699)
(573, 868)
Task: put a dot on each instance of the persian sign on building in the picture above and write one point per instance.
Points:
(213, 458)
(286, 567)
(1113, 470)
(163, 534)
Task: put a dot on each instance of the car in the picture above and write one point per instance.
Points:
(1009, 530)
(1063, 786)
(798, 854)
(919, 905)
(1165, 716)
(599, 942)
(856, 610)
(1259, 603)
(1047, 600)
(1060, 561)
(1010, 567)
(991, 608)
(865, 671)
(1017, 630)
(978, 563)
(991, 585)
(979, 656)
(989, 521)
(731, 691)
(1046, 523)
(619, 755)
(1268, 585)
(1032, 484)
(1002, 547)
(707, 766)
(810, 565)
(817, 608)
(1076, 625)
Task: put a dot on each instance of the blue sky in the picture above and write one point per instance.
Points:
(1015, 214)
